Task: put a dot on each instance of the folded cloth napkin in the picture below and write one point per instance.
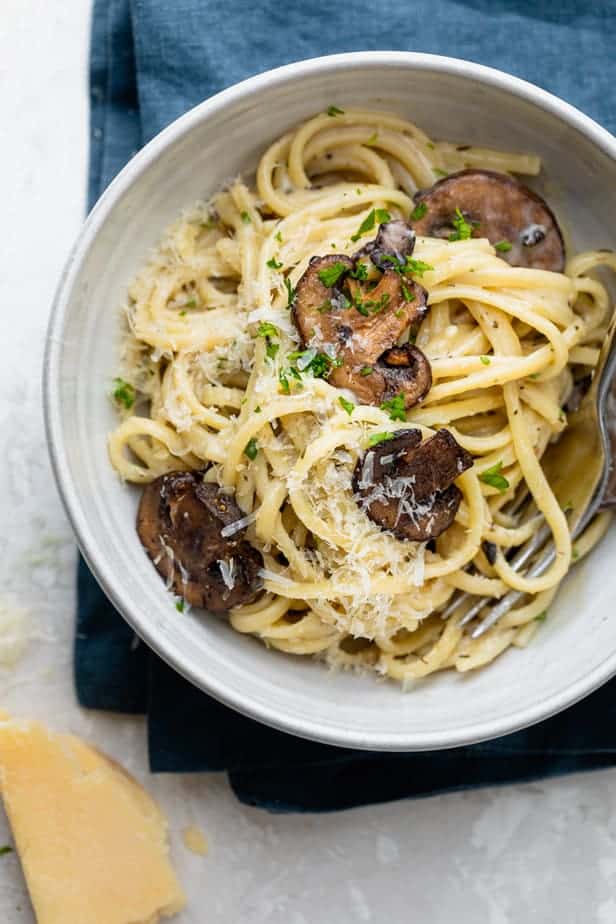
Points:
(150, 61)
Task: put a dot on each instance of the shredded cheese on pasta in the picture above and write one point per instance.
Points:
(501, 342)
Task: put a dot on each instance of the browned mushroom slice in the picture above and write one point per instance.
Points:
(395, 241)
(503, 210)
(341, 316)
(189, 530)
(407, 487)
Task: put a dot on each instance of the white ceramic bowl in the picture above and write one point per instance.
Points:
(574, 652)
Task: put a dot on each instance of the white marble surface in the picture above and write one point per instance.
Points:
(537, 853)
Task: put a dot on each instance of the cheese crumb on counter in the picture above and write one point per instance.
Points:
(92, 842)
(195, 840)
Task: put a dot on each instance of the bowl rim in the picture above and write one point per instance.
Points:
(470, 733)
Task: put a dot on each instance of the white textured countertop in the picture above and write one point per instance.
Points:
(536, 853)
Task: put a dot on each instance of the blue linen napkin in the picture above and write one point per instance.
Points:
(150, 61)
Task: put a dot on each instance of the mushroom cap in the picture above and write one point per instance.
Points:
(179, 522)
(504, 209)
(406, 486)
(364, 328)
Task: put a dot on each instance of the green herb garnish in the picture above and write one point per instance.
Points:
(503, 247)
(245, 218)
(284, 382)
(278, 237)
(378, 216)
(464, 230)
(366, 370)
(438, 172)
(290, 292)
(379, 438)
(493, 477)
(419, 211)
(331, 274)
(485, 360)
(268, 330)
(347, 405)
(575, 554)
(274, 264)
(124, 393)
(179, 605)
(395, 407)
(416, 267)
(251, 449)
(372, 139)
(5, 849)
(360, 272)
(334, 111)
(541, 616)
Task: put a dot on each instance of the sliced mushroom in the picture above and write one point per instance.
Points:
(361, 326)
(503, 210)
(407, 486)
(180, 522)
(395, 239)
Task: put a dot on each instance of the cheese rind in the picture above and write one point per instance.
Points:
(92, 842)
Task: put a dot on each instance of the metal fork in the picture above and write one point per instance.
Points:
(581, 469)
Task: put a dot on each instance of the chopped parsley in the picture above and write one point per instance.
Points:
(5, 849)
(251, 449)
(366, 370)
(278, 237)
(271, 349)
(438, 172)
(179, 605)
(319, 364)
(257, 409)
(268, 330)
(191, 304)
(368, 306)
(464, 229)
(347, 405)
(485, 360)
(395, 407)
(331, 274)
(124, 393)
(419, 211)
(540, 617)
(373, 138)
(246, 218)
(503, 247)
(333, 111)
(575, 553)
(290, 292)
(360, 272)
(534, 375)
(493, 477)
(182, 314)
(375, 216)
(284, 382)
(379, 438)
(274, 264)
(416, 267)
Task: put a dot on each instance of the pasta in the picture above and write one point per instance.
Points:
(213, 363)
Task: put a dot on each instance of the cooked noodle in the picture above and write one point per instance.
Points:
(504, 344)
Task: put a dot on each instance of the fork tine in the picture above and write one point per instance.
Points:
(518, 561)
(507, 602)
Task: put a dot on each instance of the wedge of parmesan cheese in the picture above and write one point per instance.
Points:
(92, 842)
